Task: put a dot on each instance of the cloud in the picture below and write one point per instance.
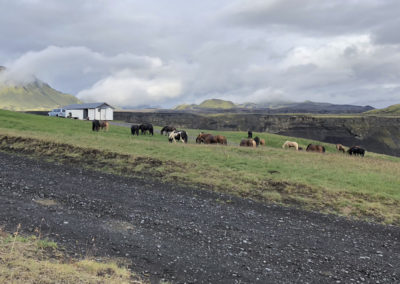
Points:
(125, 89)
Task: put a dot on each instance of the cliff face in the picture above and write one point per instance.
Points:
(376, 134)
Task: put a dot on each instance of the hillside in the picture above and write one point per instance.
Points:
(32, 96)
(217, 105)
(390, 110)
(331, 182)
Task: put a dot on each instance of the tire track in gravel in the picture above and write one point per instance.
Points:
(186, 235)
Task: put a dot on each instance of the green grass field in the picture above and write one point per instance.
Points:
(367, 188)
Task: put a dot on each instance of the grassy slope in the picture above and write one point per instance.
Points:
(390, 110)
(35, 260)
(333, 182)
(34, 96)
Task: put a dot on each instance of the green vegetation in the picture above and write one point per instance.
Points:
(33, 96)
(390, 110)
(212, 103)
(368, 188)
(34, 260)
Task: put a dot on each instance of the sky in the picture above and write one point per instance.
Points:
(136, 53)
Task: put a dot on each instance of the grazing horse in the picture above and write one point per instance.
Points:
(340, 148)
(167, 129)
(262, 142)
(178, 135)
(104, 125)
(146, 127)
(95, 125)
(249, 134)
(290, 144)
(356, 150)
(205, 138)
(221, 139)
(315, 148)
(248, 143)
(135, 129)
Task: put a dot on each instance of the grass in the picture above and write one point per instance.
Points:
(29, 259)
(366, 188)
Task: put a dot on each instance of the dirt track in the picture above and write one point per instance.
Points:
(186, 235)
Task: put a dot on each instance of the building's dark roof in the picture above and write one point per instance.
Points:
(90, 105)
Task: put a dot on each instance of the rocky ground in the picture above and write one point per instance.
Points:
(185, 235)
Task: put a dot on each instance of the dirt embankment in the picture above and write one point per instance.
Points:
(376, 134)
(186, 235)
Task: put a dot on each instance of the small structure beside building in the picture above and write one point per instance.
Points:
(90, 111)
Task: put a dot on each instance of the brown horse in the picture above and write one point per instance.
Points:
(262, 142)
(221, 139)
(104, 125)
(315, 148)
(290, 144)
(248, 143)
(340, 148)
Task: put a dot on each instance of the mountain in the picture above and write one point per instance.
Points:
(216, 105)
(390, 110)
(36, 95)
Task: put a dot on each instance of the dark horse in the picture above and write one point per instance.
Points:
(95, 125)
(356, 150)
(315, 148)
(146, 127)
(167, 129)
(135, 129)
(249, 134)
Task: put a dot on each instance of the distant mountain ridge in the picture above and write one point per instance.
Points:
(36, 95)
(216, 105)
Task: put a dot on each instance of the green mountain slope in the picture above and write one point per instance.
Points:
(209, 104)
(32, 96)
(390, 110)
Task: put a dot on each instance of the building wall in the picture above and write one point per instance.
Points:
(93, 114)
(75, 113)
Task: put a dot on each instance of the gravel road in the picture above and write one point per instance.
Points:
(185, 235)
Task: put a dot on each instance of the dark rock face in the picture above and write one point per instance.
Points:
(376, 134)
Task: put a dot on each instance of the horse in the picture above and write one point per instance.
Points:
(315, 148)
(249, 134)
(135, 129)
(340, 148)
(356, 150)
(290, 144)
(178, 135)
(95, 125)
(146, 127)
(104, 125)
(248, 143)
(262, 142)
(167, 129)
(221, 139)
(205, 138)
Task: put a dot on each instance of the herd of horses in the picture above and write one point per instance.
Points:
(175, 135)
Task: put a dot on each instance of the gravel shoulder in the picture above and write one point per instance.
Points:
(185, 235)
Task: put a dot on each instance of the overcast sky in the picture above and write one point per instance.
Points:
(163, 53)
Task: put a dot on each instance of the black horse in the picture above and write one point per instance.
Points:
(249, 134)
(146, 127)
(167, 129)
(95, 125)
(135, 129)
(356, 151)
(257, 139)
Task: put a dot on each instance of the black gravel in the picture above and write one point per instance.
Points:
(185, 235)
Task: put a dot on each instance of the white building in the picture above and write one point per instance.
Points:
(91, 111)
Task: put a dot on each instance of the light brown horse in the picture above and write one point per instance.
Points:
(104, 125)
(262, 142)
(248, 143)
(340, 148)
(290, 144)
